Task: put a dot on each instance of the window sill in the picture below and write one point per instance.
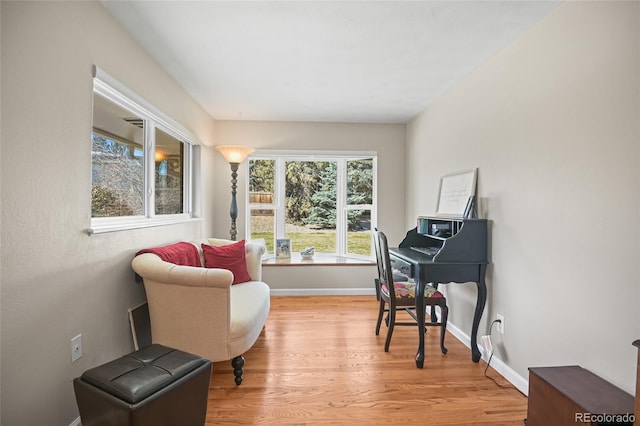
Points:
(317, 260)
(147, 223)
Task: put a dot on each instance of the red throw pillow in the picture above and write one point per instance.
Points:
(230, 257)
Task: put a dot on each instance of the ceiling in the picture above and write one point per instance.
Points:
(330, 61)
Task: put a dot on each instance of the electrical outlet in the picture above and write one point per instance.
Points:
(76, 348)
(500, 325)
(486, 342)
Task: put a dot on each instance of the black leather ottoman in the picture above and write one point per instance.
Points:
(154, 386)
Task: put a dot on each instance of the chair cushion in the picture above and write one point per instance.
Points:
(230, 257)
(407, 290)
(250, 304)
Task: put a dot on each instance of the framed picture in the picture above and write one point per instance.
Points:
(456, 194)
(283, 248)
(140, 326)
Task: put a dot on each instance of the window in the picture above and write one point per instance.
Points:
(142, 163)
(320, 199)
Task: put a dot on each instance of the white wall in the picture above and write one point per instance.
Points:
(57, 281)
(387, 140)
(552, 122)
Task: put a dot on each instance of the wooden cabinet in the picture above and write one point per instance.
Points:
(572, 395)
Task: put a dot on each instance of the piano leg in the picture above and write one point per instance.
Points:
(420, 308)
(434, 316)
(482, 299)
(421, 281)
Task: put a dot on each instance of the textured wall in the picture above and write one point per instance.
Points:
(57, 281)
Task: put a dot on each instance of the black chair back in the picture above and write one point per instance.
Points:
(385, 271)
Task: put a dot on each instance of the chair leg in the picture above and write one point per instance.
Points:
(444, 310)
(392, 322)
(380, 314)
(237, 363)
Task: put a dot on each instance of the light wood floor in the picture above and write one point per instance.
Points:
(319, 362)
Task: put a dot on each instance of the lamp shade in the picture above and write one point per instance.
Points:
(234, 153)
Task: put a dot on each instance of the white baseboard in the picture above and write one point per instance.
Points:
(323, 291)
(497, 364)
(76, 422)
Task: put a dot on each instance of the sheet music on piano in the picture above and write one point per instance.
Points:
(456, 194)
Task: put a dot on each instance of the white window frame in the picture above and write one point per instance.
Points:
(341, 157)
(114, 91)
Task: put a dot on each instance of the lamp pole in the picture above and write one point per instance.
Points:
(234, 205)
(234, 155)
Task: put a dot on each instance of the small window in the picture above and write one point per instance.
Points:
(117, 161)
(262, 211)
(141, 162)
(169, 173)
(359, 207)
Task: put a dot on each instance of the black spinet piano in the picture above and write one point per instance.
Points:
(440, 251)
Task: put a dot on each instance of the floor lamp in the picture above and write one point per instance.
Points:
(234, 156)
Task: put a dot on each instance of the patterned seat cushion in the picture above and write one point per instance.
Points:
(407, 290)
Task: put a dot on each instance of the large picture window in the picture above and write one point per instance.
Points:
(142, 163)
(319, 199)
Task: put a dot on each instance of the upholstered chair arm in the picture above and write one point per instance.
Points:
(189, 307)
(151, 267)
(253, 254)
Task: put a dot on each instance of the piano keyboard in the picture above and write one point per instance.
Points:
(429, 251)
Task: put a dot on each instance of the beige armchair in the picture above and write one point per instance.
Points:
(198, 310)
